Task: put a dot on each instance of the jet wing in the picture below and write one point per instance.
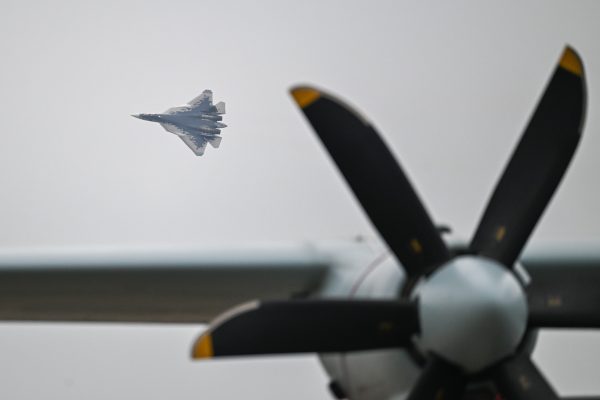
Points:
(194, 139)
(201, 103)
(142, 286)
(178, 110)
(174, 129)
(196, 143)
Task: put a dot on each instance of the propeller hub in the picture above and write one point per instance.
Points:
(472, 312)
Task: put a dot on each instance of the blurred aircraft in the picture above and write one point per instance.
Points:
(426, 320)
(196, 123)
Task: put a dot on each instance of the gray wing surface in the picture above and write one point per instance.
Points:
(201, 103)
(174, 129)
(196, 143)
(178, 110)
(193, 286)
(182, 287)
(537, 259)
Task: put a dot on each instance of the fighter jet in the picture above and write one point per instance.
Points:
(196, 123)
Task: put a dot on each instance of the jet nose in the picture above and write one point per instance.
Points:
(149, 117)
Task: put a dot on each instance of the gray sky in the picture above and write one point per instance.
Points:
(449, 85)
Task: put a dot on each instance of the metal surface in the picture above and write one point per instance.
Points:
(181, 287)
(473, 312)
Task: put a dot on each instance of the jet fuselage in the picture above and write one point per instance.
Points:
(196, 123)
(202, 122)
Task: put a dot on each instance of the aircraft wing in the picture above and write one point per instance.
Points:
(196, 143)
(178, 110)
(194, 286)
(174, 129)
(142, 286)
(202, 102)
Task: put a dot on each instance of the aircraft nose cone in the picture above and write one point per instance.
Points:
(149, 117)
(473, 312)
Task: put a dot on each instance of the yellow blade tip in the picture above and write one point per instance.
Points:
(571, 61)
(203, 347)
(305, 96)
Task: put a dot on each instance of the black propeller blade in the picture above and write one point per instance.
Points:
(300, 326)
(376, 179)
(564, 296)
(519, 379)
(439, 380)
(537, 165)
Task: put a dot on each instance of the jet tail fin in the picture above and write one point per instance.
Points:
(215, 141)
(220, 106)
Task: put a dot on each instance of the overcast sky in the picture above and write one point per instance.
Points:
(450, 85)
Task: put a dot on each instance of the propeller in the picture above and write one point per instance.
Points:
(536, 166)
(471, 312)
(301, 326)
(519, 379)
(376, 179)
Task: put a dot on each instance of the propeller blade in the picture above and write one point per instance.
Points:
(519, 379)
(307, 326)
(537, 165)
(562, 296)
(439, 380)
(376, 179)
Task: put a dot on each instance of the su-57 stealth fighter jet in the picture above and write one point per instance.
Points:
(196, 123)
